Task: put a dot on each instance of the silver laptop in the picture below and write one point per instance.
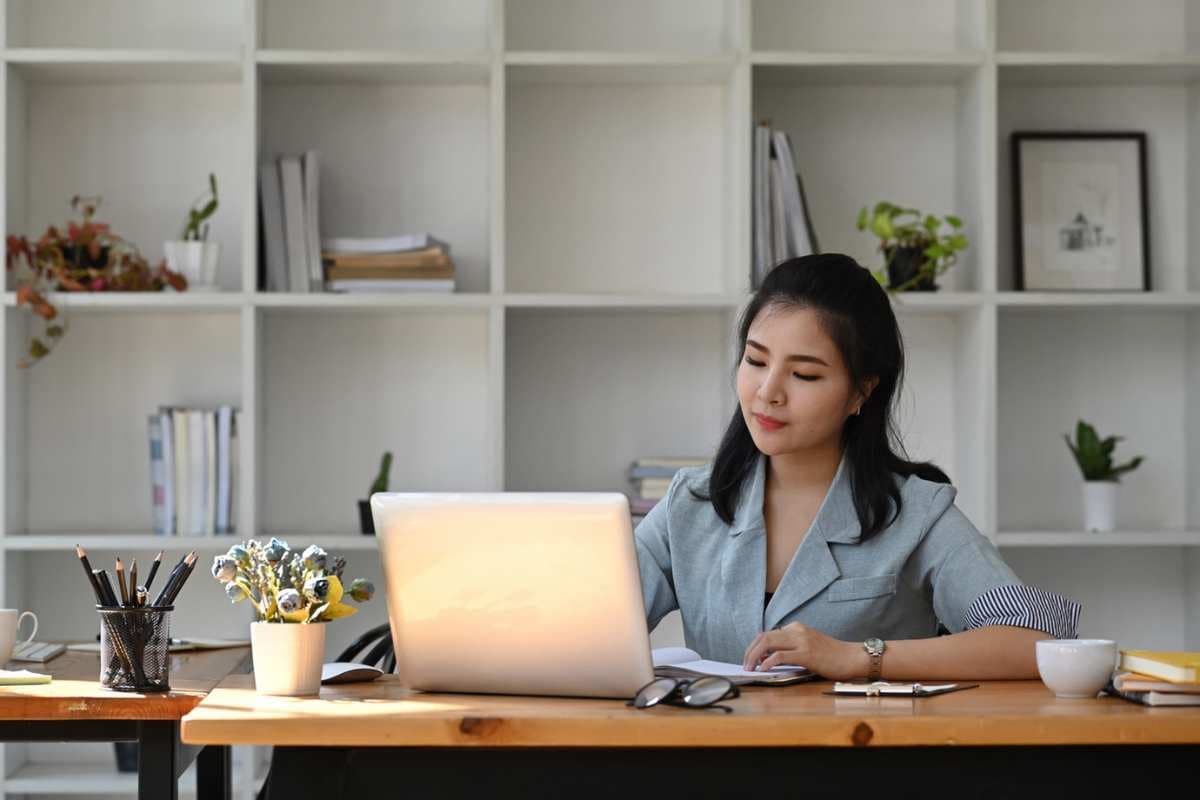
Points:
(514, 593)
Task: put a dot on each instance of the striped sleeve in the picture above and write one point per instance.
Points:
(1025, 607)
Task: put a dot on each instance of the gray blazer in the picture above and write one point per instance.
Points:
(930, 564)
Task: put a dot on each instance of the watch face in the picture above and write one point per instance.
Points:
(875, 645)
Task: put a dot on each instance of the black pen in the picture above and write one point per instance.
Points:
(110, 597)
(153, 570)
(166, 590)
(87, 568)
(181, 579)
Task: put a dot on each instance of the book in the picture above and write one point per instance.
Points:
(382, 244)
(158, 489)
(392, 285)
(183, 511)
(336, 273)
(196, 471)
(892, 689)
(224, 472)
(291, 180)
(636, 472)
(1154, 698)
(312, 237)
(1133, 682)
(210, 471)
(683, 662)
(429, 256)
(670, 461)
(762, 205)
(271, 199)
(795, 216)
(1167, 665)
(168, 451)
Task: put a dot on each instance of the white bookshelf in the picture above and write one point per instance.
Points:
(589, 162)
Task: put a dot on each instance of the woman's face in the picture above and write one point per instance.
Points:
(793, 387)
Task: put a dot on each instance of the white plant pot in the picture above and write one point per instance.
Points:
(287, 657)
(1100, 505)
(196, 261)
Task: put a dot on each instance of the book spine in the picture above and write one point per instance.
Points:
(157, 481)
(168, 454)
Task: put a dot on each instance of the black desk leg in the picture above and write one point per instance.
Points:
(213, 773)
(158, 766)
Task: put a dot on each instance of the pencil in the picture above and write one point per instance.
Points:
(153, 570)
(121, 583)
(181, 578)
(110, 598)
(162, 595)
(87, 568)
(133, 584)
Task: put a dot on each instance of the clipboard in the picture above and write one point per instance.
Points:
(889, 689)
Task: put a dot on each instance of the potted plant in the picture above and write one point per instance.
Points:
(914, 251)
(83, 256)
(292, 595)
(366, 521)
(192, 254)
(1100, 477)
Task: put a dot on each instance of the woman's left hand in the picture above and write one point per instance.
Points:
(799, 644)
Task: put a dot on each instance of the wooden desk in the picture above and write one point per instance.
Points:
(74, 707)
(1016, 733)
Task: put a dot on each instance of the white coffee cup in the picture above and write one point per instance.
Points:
(1076, 668)
(10, 620)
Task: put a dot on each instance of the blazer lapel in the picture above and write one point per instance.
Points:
(813, 566)
(744, 562)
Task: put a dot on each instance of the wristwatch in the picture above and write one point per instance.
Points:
(875, 648)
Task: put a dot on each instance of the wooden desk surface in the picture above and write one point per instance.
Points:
(75, 691)
(381, 713)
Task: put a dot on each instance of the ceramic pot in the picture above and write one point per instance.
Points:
(196, 261)
(287, 657)
(1100, 505)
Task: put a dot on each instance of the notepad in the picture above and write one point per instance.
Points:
(176, 646)
(885, 688)
(21, 677)
(683, 662)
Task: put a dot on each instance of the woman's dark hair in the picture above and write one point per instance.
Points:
(856, 313)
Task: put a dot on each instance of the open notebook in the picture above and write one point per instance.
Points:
(683, 662)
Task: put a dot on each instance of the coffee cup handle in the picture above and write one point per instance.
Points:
(32, 633)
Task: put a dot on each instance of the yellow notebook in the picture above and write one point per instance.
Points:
(1169, 666)
(20, 677)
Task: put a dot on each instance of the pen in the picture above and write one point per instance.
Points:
(106, 590)
(133, 584)
(181, 579)
(166, 590)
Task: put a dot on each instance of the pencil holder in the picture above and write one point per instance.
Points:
(135, 649)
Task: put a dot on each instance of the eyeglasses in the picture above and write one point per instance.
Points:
(703, 692)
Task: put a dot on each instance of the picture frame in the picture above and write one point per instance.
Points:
(1080, 211)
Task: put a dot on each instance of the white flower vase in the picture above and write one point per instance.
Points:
(287, 657)
(196, 261)
(1100, 505)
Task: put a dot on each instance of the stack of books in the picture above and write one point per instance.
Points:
(650, 478)
(782, 224)
(416, 263)
(290, 238)
(193, 469)
(1155, 678)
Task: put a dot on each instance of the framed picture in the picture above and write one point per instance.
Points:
(1079, 211)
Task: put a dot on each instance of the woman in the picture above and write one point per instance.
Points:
(807, 540)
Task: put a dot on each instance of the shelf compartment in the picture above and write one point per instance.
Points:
(441, 25)
(875, 25)
(126, 24)
(678, 26)
(146, 182)
(339, 389)
(1123, 371)
(616, 188)
(312, 67)
(392, 154)
(1109, 26)
(916, 145)
(92, 66)
(77, 420)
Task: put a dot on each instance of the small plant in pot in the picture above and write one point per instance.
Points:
(366, 521)
(1100, 477)
(293, 594)
(914, 250)
(192, 254)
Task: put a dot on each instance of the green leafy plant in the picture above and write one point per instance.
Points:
(196, 227)
(1094, 455)
(289, 587)
(83, 256)
(905, 232)
(381, 479)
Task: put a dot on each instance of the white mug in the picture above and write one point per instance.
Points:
(10, 620)
(1076, 668)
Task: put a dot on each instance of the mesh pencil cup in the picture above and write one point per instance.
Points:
(135, 648)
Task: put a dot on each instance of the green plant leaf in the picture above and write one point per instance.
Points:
(54, 331)
(955, 222)
(37, 349)
(861, 223)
